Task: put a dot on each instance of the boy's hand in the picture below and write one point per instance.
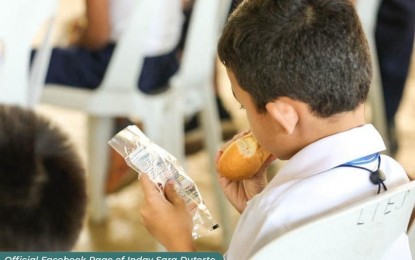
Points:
(75, 29)
(166, 217)
(240, 192)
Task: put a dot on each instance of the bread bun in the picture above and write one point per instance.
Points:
(242, 158)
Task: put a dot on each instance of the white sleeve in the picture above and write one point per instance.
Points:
(164, 32)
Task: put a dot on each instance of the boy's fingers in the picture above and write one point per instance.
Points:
(147, 185)
(150, 190)
(226, 144)
(171, 194)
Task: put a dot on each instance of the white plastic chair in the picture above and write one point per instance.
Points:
(163, 114)
(411, 235)
(20, 21)
(367, 11)
(364, 230)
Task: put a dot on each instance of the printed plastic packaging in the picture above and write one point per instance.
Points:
(146, 157)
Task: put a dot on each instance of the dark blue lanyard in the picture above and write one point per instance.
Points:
(376, 177)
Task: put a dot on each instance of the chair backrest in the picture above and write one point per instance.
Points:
(128, 56)
(20, 21)
(198, 61)
(201, 41)
(197, 65)
(362, 231)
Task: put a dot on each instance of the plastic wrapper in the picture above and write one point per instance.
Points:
(146, 157)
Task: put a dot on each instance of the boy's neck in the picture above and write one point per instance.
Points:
(312, 128)
(338, 123)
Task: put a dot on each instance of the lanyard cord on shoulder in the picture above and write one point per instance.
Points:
(376, 177)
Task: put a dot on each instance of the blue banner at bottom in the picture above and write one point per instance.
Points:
(110, 256)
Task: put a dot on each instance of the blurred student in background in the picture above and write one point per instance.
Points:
(94, 37)
(394, 39)
(394, 36)
(92, 40)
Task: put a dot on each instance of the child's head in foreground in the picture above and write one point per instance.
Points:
(309, 52)
(42, 185)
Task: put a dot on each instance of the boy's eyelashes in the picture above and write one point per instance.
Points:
(241, 107)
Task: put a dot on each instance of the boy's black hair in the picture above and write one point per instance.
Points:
(42, 184)
(313, 51)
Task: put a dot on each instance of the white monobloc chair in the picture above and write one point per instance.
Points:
(367, 11)
(20, 21)
(411, 235)
(362, 231)
(163, 114)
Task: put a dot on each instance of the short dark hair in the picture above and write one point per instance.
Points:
(314, 51)
(42, 184)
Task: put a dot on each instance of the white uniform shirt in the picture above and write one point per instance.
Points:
(309, 185)
(164, 32)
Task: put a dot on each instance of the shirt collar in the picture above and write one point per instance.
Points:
(330, 152)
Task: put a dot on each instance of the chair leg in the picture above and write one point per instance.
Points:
(213, 139)
(175, 139)
(166, 129)
(99, 133)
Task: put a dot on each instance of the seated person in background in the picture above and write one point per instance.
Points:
(394, 39)
(42, 184)
(92, 41)
(394, 35)
(302, 71)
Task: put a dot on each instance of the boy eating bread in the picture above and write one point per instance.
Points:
(301, 70)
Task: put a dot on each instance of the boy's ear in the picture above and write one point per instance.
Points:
(284, 113)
